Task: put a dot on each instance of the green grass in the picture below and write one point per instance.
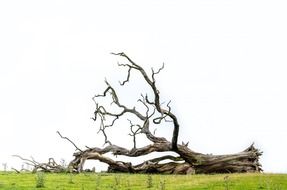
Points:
(28, 181)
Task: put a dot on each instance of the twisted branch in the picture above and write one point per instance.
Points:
(156, 101)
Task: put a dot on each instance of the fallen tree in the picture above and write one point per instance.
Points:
(50, 166)
(156, 113)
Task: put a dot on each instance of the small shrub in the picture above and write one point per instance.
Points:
(149, 183)
(98, 182)
(162, 185)
(226, 182)
(128, 185)
(260, 184)
(117, 180)
(71, 179)
(14, 186)
(40, 180)
(113, 187)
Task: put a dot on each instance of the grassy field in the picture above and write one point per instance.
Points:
(102, 181)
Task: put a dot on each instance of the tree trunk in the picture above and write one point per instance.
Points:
(188, 162)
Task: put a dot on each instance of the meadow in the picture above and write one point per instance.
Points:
(105, 181)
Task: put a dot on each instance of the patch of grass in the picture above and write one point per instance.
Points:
(106, 181)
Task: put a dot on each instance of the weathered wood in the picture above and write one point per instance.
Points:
(245, 161)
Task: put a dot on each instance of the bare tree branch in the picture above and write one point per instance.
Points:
(157, 72)
(69, 141)
(157, 104)
(50, 166)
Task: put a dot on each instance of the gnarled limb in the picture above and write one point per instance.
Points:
(156, 102)
(245, 161)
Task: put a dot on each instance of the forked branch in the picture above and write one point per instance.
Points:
(156, 102)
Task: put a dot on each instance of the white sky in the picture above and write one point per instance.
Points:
(225, 72)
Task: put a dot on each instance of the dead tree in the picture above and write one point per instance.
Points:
(50, 166)
(156, 113)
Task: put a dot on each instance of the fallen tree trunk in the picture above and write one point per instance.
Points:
(156, 113)
(188, 162)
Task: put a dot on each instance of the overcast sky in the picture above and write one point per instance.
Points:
(225, 72)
